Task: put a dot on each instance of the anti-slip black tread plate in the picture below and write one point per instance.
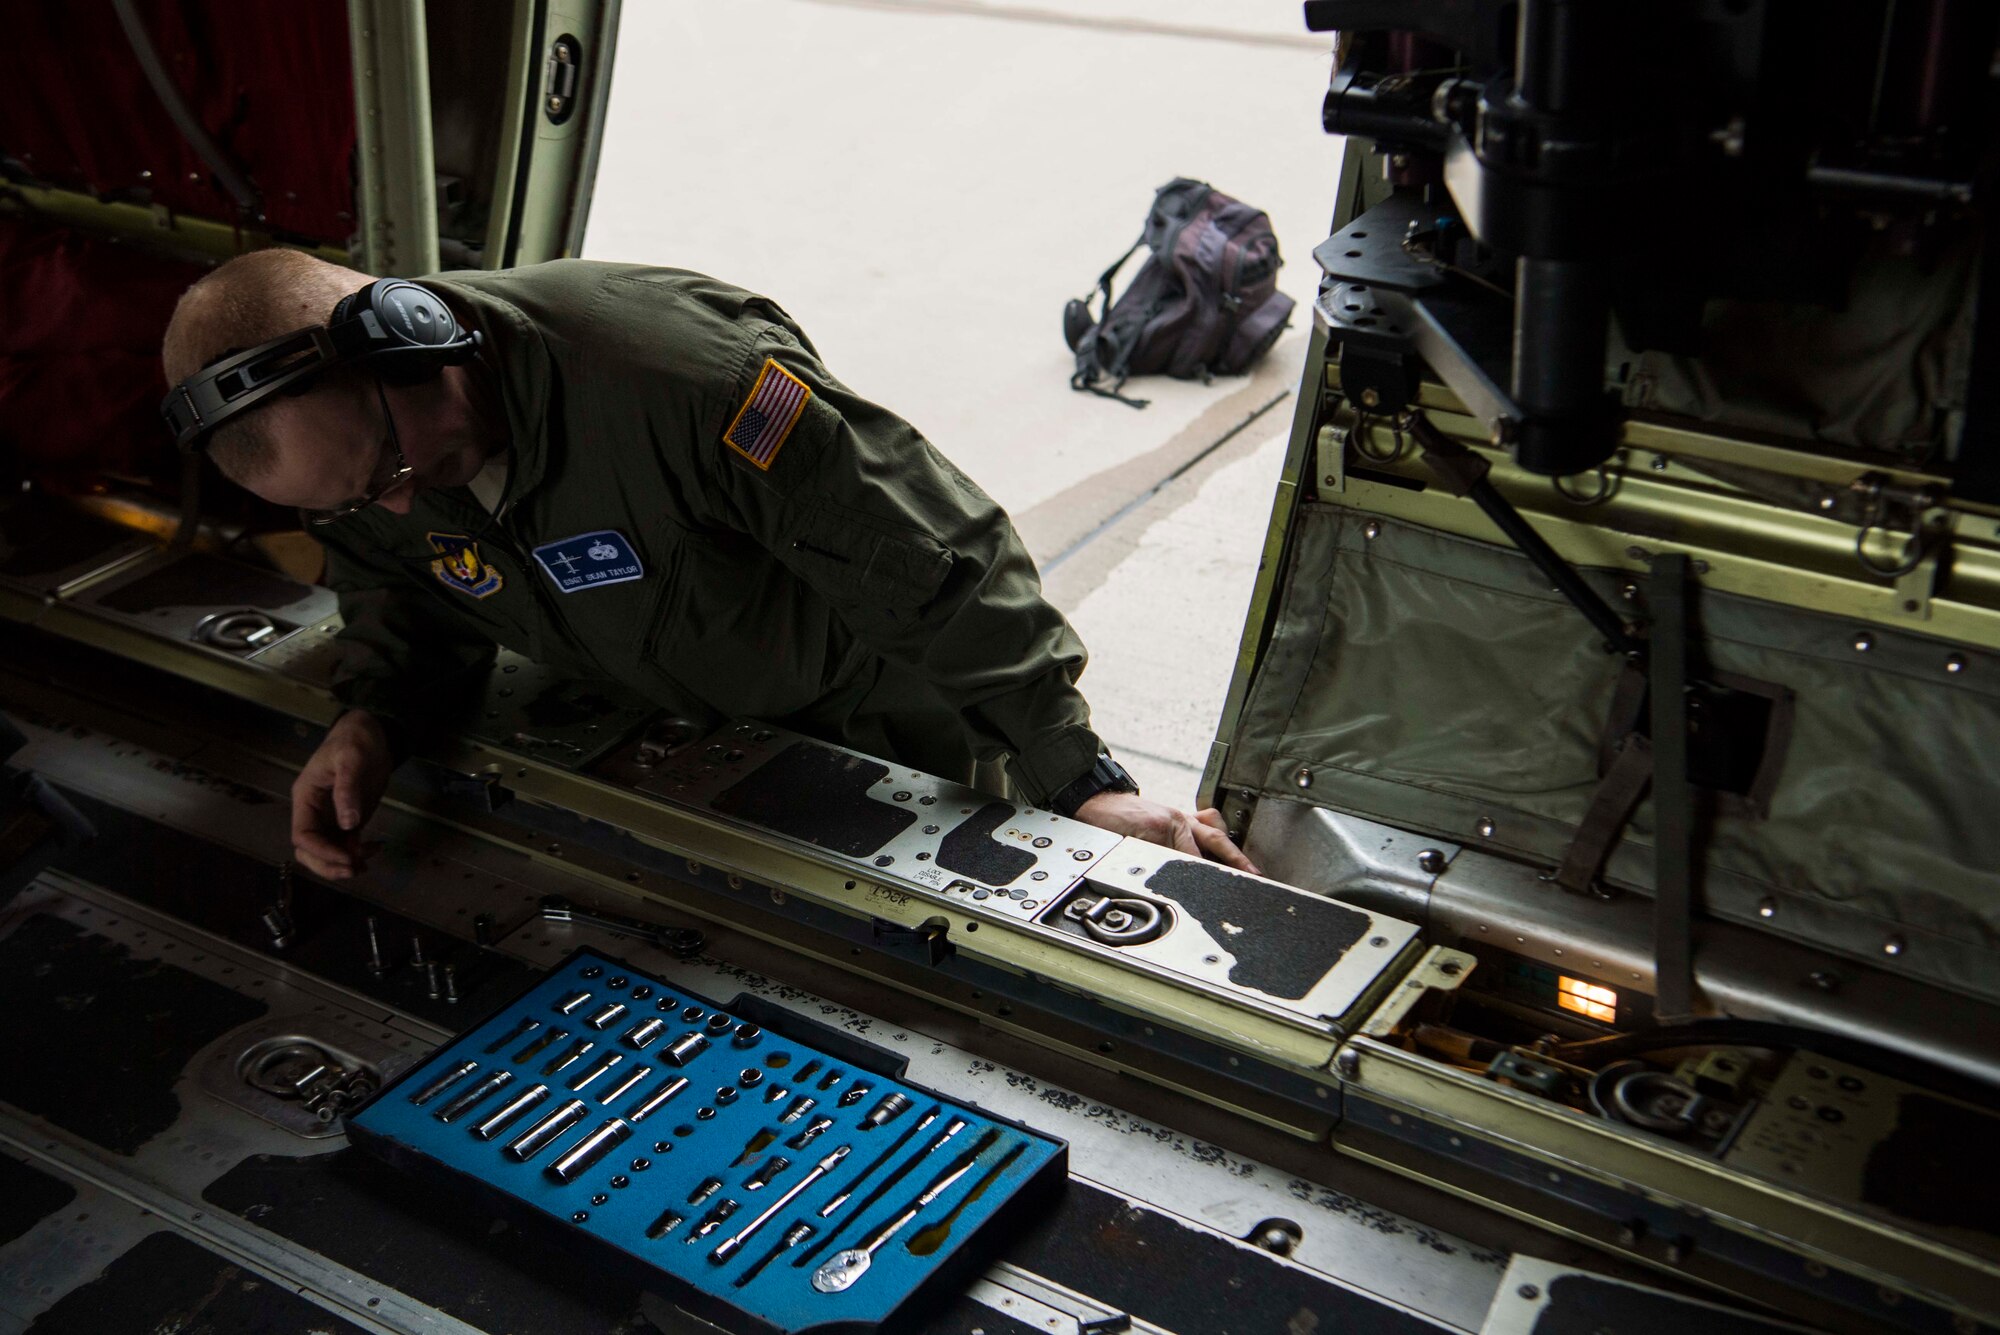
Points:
(168, 1283)
(1937, 1145)
(205, 581)
(1586, 1305)
(27, 1197)
(970, 849)
(469, 1264)
(97, 1038)
(1188, 1280)
(819, 795)
(427, 1244)
(1283, 943)
(226, 892)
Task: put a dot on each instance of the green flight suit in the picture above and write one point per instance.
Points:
(855, 587)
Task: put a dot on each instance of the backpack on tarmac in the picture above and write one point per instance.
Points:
(1204, 303)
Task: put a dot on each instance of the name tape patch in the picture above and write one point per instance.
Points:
(768, 415)
(590, 560)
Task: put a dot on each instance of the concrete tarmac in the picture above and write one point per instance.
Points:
(922, 184)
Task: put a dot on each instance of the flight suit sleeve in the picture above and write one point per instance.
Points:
(923, 566)
(398, 651)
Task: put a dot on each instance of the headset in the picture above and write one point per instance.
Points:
(399, 330)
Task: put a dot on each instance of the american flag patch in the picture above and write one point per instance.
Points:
(768, 415)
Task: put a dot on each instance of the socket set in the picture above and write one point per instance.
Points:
(761, 1171)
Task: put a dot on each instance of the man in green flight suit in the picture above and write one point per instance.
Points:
(646, 475)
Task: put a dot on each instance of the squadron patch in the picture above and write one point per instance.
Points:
(589, 560)
(768, 415)
(460, 566)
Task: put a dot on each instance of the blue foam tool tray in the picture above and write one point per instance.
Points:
(682, 1098)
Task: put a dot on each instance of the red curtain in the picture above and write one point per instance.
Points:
(271, 83)
(80, 379)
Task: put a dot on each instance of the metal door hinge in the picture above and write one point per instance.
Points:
(561, 73)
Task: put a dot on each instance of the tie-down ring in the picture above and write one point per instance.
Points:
(236, 631)
(1118, 922)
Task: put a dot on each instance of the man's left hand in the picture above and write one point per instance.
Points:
(1202, 834)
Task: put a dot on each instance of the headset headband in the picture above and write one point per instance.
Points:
(392, 325)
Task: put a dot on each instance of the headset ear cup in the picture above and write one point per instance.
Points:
(344, 308)
(415, 332)
(424, 328)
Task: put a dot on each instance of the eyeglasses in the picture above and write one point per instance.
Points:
(391, 469)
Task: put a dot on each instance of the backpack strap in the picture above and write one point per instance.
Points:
(1104, 279)
(1078, 382)
(1086, 374)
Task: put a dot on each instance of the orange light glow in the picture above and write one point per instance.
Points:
(1587, 999)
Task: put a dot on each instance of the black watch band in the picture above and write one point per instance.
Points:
(1106, 776)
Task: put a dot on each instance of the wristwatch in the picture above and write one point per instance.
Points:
(1106, 776)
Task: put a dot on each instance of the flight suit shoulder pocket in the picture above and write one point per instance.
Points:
(858, 557)
(779, 432)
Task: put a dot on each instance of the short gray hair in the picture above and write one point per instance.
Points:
(246, 301)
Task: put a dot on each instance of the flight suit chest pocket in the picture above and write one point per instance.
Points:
(604, 590)
(478, 581)
(855, 557)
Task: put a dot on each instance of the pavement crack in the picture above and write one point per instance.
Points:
(1057, 18)
(1117, 516)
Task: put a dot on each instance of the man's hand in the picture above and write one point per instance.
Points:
(1202, 834)
(336, 793)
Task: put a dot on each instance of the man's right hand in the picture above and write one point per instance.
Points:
(336, 793)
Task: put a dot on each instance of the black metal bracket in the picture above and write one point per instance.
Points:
(1115, 1324)
(1465, 25)
(1463, 473)
(1395, 308)
(928, 945)
(488, 793)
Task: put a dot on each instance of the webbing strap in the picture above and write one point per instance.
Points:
(1673, 797)
(1078, 382)
(1617, 796)
(1104, 279)
(1085, 377)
